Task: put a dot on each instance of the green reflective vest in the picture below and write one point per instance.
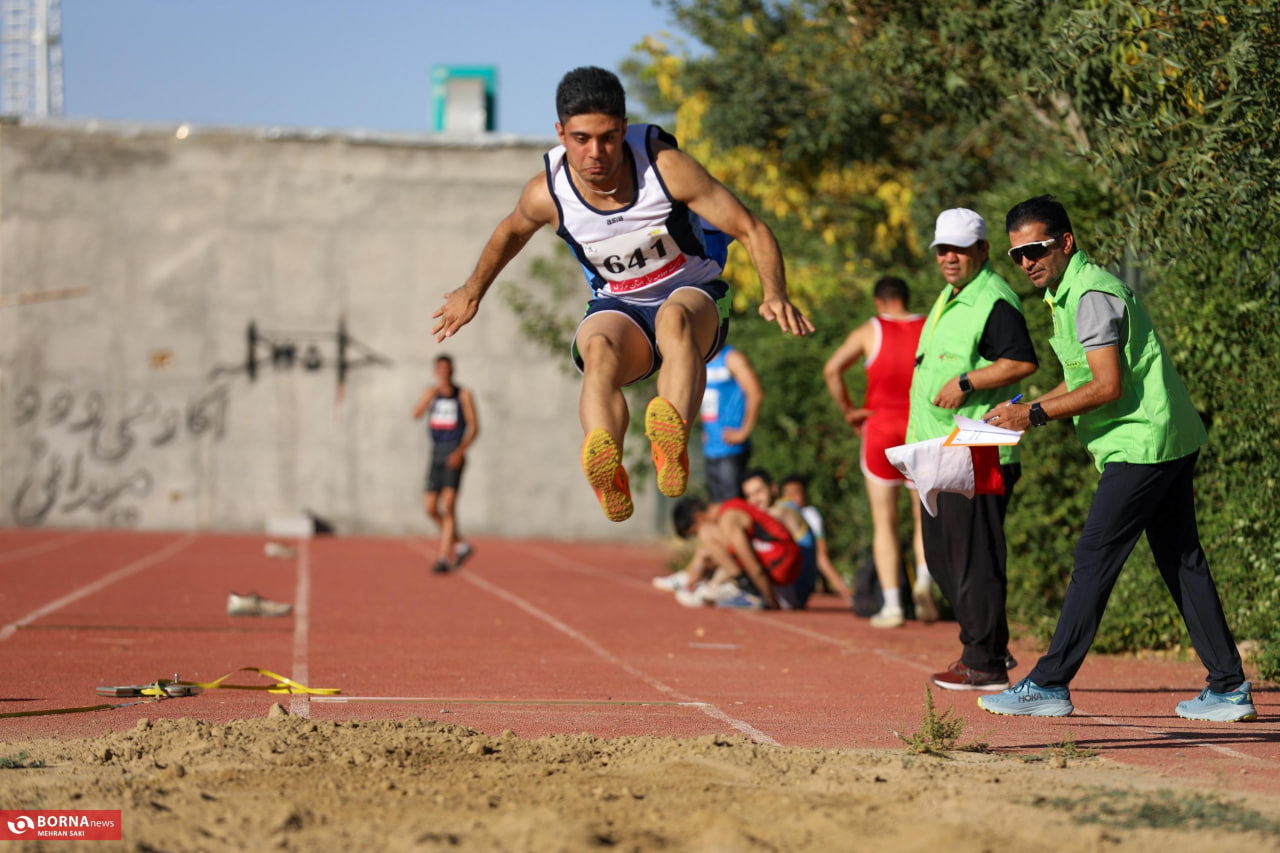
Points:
(949, 347)
(1154, 420)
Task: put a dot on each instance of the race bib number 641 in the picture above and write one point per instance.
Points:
(637, 259)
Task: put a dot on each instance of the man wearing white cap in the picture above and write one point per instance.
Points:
(973, 352)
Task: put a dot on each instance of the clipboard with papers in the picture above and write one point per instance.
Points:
(971, 433)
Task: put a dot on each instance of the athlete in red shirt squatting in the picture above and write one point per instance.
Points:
(745, 542)
(633, 207)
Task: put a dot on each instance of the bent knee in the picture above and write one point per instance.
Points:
(681, 324)
(597, 348)
(693, 325)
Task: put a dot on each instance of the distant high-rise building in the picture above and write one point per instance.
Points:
(31, 57)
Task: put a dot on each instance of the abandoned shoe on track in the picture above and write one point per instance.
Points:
(669, 439)
(255, 605)
(602, 463)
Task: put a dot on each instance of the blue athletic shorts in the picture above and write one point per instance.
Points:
(645, 316)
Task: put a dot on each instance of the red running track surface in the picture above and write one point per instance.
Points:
(537, 637)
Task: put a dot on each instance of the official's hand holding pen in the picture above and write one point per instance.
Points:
(991, 416)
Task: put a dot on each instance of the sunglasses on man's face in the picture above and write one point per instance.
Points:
(1031, 251)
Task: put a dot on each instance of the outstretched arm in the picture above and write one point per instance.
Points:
(828, 570)
(534, 210)
(689, 182)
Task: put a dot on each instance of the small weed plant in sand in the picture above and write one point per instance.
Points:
(1060, 753)
(939, 734)
(1069, 751)
(18, 761)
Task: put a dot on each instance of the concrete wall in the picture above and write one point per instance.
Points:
(132, 264)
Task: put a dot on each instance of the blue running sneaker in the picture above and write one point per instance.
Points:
(1233, 707)
(740, 600)
(1028, 699)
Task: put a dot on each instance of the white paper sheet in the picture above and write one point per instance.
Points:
(971, 433)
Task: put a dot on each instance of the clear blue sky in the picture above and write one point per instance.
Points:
(328, 64)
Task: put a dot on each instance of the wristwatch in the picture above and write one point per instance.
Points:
(965, 385)
(1037, 416)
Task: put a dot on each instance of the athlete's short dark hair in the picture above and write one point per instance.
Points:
(590, 90)
(446, 358)
(753, 473)
(685, 515)
(1043, 209)
(890, 287)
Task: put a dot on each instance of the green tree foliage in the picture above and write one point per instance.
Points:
(1156, 123)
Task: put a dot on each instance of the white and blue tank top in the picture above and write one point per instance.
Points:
(644, 251)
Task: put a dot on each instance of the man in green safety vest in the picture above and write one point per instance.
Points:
(1136, 419)
(973, 351)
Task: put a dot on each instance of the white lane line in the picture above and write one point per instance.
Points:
(846, 646)
(300, 704)
(42, 548)
(101, 583)
(604, 654)
(585, 568)
(707, 708)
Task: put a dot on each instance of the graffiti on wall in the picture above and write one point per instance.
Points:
(81, 459)
(311, 351)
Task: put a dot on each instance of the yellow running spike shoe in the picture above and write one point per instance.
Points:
(602, 463)
(669, 438)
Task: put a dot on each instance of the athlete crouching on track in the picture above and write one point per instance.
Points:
(650, 227)
(748, 551)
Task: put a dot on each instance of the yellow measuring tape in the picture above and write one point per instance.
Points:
(173, 688)
(282, 685)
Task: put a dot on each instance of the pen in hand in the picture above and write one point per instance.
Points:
(997, 417)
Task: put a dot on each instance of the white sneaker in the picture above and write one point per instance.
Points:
(690, 598)
(926, 607)
(672, 583)
(279, 550)
(255, 605)
(889, 618)
(718, 592)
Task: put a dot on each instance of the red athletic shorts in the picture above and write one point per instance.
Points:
(880, 432)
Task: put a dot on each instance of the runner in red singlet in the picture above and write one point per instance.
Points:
(888, 344)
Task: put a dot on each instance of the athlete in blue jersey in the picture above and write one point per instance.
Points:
(642, 217)
(730, 408)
